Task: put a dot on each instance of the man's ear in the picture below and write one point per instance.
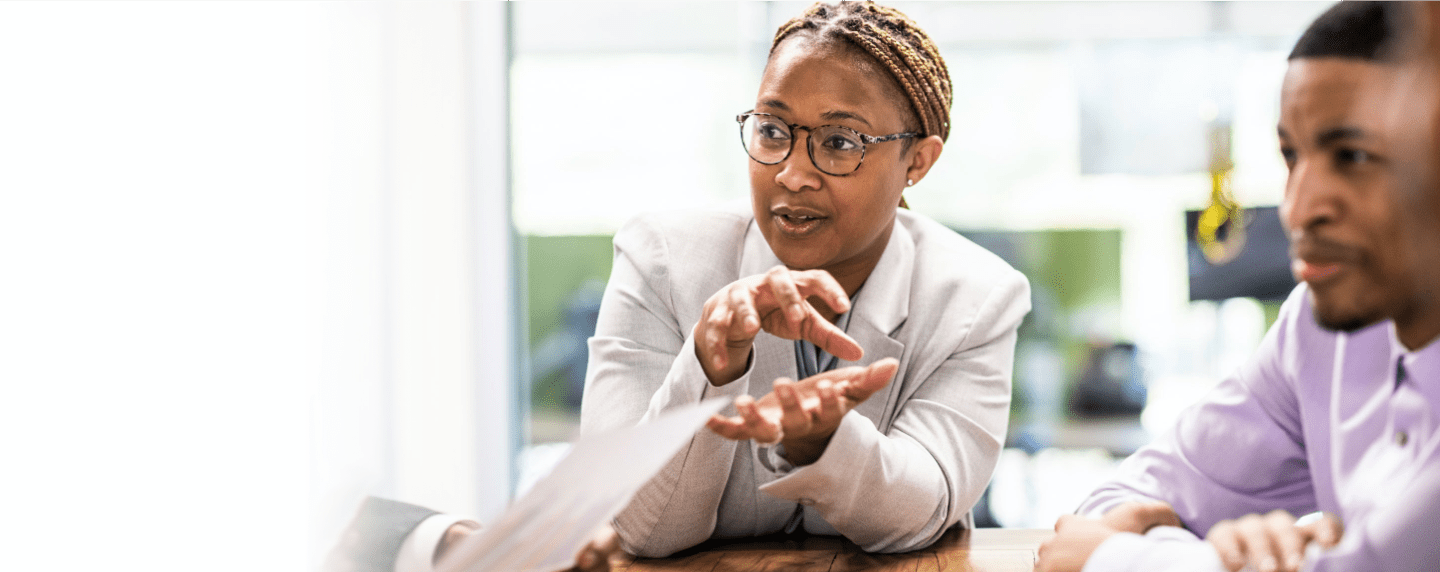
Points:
(923, 156)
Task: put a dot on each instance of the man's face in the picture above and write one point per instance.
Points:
(1347, 240)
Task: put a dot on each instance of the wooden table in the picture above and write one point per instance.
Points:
(982, 550)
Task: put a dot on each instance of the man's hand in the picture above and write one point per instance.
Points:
(1076, 538)
(777, 302)
(1139, 517)
(803, 415)
(453, 537)
(1272, 542)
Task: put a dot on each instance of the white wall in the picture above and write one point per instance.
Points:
(240, 264)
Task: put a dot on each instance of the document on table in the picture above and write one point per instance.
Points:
(545, 529)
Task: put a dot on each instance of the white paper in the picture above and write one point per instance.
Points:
(544, 530)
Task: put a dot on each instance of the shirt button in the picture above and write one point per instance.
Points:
(1401, 438)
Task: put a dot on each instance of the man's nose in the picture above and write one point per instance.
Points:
(1310, 197)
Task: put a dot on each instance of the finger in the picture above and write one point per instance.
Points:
(1226, 542)
(1066, 520)
(1327, 531)
(1255, 541)
(874, 378)
(828, 337)
(732, 428)
(787, 296)
(794, 418)
(714, 340)
(821, 284)
(760, 429)
(746, 321)
(1286, 539)
(831, 406)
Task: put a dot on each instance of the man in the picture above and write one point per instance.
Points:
(1337, 411)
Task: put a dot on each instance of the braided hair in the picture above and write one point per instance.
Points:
(897, 43)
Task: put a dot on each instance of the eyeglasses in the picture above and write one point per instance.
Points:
(768, 140)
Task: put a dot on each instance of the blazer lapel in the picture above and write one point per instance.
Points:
(880, 308)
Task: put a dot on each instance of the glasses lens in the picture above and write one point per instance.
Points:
(766, 138)
(837, 150)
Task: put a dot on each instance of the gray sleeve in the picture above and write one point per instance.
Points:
(373, 540)
(642, 363)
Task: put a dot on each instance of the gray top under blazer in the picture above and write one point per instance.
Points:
(902, 468)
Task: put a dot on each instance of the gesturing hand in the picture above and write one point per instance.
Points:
(775, 302)
(803, 415)
(1270, 543)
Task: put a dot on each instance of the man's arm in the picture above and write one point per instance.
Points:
(383, 531)
(1238, 451)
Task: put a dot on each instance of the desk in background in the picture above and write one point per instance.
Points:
(982, 550)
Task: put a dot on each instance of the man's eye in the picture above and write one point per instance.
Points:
(1352, 156)
(1289, 155)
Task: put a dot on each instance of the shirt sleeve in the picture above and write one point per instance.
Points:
(1238, 451)
(1163, 549)
(1399, 536)
(642, 364)
(417, 553)
(901, 489)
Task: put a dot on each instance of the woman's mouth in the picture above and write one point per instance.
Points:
(797, 222)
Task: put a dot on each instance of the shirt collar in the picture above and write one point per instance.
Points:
(1422, 366)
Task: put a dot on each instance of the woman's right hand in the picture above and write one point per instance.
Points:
(774, 302)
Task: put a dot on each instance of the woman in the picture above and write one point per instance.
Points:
(853, 108)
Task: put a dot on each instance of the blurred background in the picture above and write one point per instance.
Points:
(260, 260)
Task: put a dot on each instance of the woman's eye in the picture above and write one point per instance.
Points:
(841, 143)
(773, 131)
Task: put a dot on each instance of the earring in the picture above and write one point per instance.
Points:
(909, 182)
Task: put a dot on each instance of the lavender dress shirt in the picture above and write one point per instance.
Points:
(1318, 420)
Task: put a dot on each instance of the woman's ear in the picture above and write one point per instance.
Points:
(923, 156)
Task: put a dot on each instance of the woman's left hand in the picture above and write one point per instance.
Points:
(803, 415)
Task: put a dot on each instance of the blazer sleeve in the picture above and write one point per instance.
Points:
(643, 363)
(1238, 451)
(902, 489)
(372, 541)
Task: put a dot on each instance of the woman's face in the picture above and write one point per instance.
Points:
(812, 219)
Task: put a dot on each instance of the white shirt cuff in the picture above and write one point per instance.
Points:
(417, 554)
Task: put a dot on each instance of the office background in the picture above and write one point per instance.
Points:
(261, 259)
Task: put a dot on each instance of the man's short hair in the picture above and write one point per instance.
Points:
(1360, 30)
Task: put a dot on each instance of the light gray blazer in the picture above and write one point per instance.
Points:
(902, 468)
